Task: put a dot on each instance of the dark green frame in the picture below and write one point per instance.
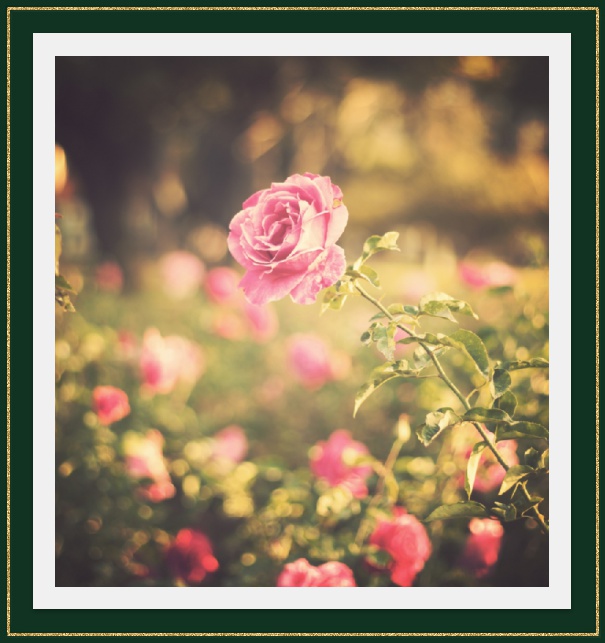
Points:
(582, 618)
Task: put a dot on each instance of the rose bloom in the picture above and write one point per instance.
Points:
(229, 325)
(488, 275)
(182, 273)
(189, 557)
(166, 361)
(108, 277)
(221, 284)
(405, 539)
(285, 237)
(145, 459)
(230, 444)
(262, 321)
(328, 462)
(311, 361)
(301, 573)
(482, 546)
(110, 404)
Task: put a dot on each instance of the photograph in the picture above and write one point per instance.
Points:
(301, 321)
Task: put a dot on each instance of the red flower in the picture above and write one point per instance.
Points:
(110, 404)
(190, 556)
(405, 539)
(328, 461)
(482, 546)
(301, 573)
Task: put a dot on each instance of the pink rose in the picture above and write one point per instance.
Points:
(285, 237)
(490, 473)
(166, 361)
(262, 320)
(229, 325)
(312, 362)
(190, 556)
(110, 404)
(108, 277)
(487, 275)
(230, 444)
(145, 459)
(482, 546)
(221, 284)
(405, 539)
(301, 573)
(182, 273)
(328, 462)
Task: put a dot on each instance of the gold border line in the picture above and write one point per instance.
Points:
(303, 9)
(9, 633)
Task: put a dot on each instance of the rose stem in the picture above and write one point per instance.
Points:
(442, 374)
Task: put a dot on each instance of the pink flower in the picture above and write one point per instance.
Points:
(482, 546)
(190, 557)
(230, 444)
(311, 361)
(110, 404)
(221, 284)
(262, 321)
(487, 275)
(405, 539)
(328, 462)
(108, 276)
(301, 573)
(490, 473)
(145, 459)
(285, 237)
(182, 273)
(166, 361)
(229, 325)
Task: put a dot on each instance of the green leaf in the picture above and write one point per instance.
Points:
(376, 243)
(537, 362)
(63, 284)
(379, 376)
(469, 343)
(58, 248)
(471, 467)
(366, 338)
(522, 503)
(384, 336)
(500, 383)
(434, 424)
(532, 457)
(525, 430)
(468, 509)
(369, 274)
(439, 304)
(504, 511)
(421, 358)
(513, 476)
(479, 414)
(333, 299)
(545, 460)
(507, 402)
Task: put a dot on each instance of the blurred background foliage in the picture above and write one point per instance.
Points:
(156, 155)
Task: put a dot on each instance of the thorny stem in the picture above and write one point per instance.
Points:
(443, 375)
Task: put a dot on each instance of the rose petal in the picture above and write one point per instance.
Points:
(261, 287)
(325, 271)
